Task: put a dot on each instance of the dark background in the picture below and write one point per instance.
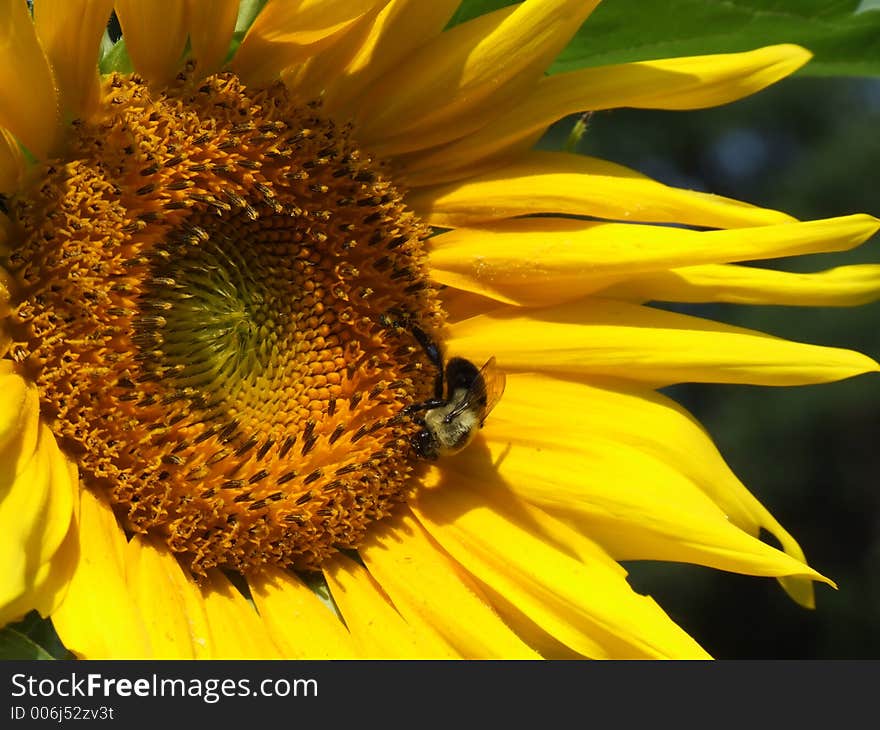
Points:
(810, 147)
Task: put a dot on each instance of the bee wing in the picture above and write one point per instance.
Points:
(485, 391)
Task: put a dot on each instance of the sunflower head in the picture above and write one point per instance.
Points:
(201, 294)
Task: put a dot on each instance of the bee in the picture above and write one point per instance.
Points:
(450, 421)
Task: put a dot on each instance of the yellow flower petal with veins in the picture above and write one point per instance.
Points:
(676, 83)
(19, 424)
(311, 78)
(425, 582)
(398, 29)
(211, 25)
(70, 34)
(36, 498)
(606, 338)
(299, 623)
(634, 469)
(235, 627)
(11, 163)
(376, 627)
(167, 600)
(555, 182)
(843, 286)
(99, 618)
(155, 34)
(472, 67)
(28, 102)
(49, 582)
(543, 261)
(286, 33)
(588, 606)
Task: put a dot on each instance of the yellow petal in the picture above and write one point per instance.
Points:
(844, 286)
(71, 35)
(596, 337)
(237, 630)
(50, 581)
(310, 79)
(211, 24)
(398, 29)
(542, 261)
(28, 103)
(300, 624)
(99, 618)
(635, 470)
(377, 629)
(11, 163)
(287, 33)
(425, 583)
(586, 605)
(155, 34)
(556, 182)
(53, 578)
(168, 601)
(19, 424)
(677, 83)
(36, 508)
(460, 305)
(453, 83)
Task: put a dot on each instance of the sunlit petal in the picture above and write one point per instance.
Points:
(236, 629)
(398, 29)
(587, 606)
(542, 261)
(288, 33)
(70, 34)
(843, 286)
(675, 83)
(378, 630)
(28, 100)
(604, 338)
(423, 581)
(471, 68)
(155, 34)
(554, 182)
(99, 618)
(164, 596)
(635, 469)
(300, 624)
(211, 24)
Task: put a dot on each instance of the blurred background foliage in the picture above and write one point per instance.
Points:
(810, 147)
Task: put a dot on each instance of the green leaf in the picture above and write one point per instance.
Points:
(844, 35)
(472, 8)
(14, 645)
(116, 59)
(31, 638)
(247, 12)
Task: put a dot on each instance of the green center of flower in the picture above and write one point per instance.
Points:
(203, 290)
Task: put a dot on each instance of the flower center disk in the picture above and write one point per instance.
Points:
(202, 296)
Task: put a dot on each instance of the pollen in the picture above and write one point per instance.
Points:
(202, 290)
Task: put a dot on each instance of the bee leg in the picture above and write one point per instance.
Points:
(423, 406)
(399, 320)
(432, 350)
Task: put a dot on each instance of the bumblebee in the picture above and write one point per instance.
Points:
(450, 421)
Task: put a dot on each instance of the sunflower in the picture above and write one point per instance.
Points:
(230, 284)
